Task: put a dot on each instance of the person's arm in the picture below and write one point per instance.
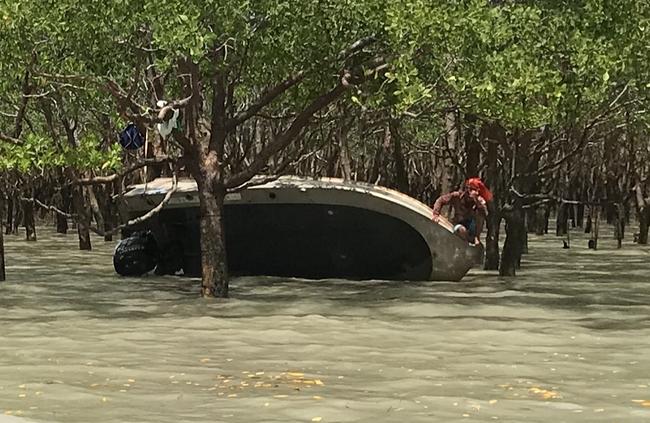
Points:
(483, 205)
(442, 201)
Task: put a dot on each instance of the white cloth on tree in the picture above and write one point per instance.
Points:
(166, 128)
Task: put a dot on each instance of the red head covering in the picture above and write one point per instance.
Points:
(477, 184)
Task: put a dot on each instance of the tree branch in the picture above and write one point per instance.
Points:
(49, 208)
(356, 46)
(151, 213)
(11, 140)
(267, 97)
(274, 92)
(278, 171)
(98, 180)
(286, 137)
(253, 183)
(348, 79)
(26, 90)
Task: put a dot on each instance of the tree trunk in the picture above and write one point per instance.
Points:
(447, 169)
(644, 225)
(562, 219)
(332, 154)
(401, 175)
(344, 153)
(572, 215)
(121, 214)
(18, 216)
(110, 217)
(547, 218)
(379, 161)
(61, 221)
(512, 248)
(472, 147)
(580, 215)
(28, 219)
(84, 236)
(610, 211)
(531, 219)
(524, 163)
(643, 213)
(524, 235)
(619, 224)
(492, 238)
(83, 219)
(596, 223)
(541, 220)
(10, 215)
(494, 217)
(61, 224)
(94, 206)
(214, 265)
(3, 275)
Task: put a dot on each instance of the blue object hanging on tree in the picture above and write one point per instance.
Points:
(131, 138)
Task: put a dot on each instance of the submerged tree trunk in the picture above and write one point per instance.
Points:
(643, 213)
(541, 220)
(28, 219)
(83, 218)
(18, 217)
(562, 220)
(580, 215)
(61, 224)
(595, 217)
(110, 218)
(524, 235)
(214, 266)
(61, 221)
(571, 215)
(10, 216)
(531, 219)
(512, 248)
(3, 275)
(94, 207)
(492, 257)
(619, 224)
(492, 238)
(644, 225)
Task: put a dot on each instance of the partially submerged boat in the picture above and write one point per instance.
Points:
(298, 227)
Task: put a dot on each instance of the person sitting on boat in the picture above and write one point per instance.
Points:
(470, 209)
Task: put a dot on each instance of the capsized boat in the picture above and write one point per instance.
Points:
(298, 227)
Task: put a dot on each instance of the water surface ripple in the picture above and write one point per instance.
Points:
(566, 341)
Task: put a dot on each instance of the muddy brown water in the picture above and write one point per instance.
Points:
(566, 341)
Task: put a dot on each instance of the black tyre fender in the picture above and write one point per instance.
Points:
(136, 255)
